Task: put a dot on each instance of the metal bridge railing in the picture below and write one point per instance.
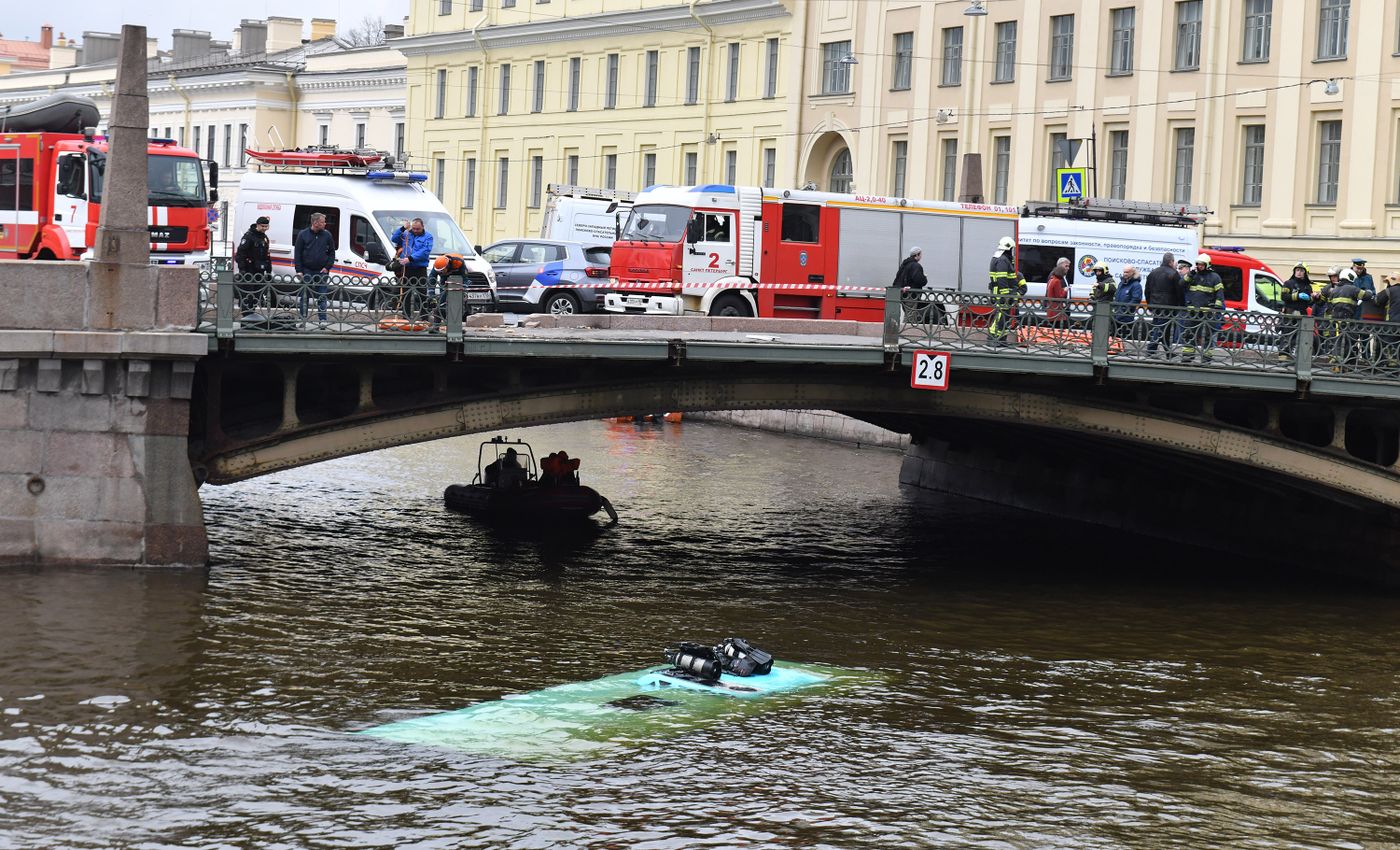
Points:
(231, 303)
(1105, 333)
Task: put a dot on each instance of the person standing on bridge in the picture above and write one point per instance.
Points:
(1343, 299)
(1205, 296)
(415, 250)
(911, 271)
(254, 259)
(1296, 295)
(1007, 288)
(314, 257)
(1057, 294)
(1166, 295)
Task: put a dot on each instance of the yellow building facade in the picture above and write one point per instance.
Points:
(504, 98)
(1281, 116)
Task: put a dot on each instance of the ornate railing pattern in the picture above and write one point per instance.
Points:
(1105, 333)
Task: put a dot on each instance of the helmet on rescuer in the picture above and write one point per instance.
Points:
(1203, 258)
(1100, 266)
(1006, 243)
(1348, 276)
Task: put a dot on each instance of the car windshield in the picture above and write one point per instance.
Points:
(656, 223)
(171, 181)
(448, 238)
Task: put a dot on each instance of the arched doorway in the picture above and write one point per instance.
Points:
(842, 176)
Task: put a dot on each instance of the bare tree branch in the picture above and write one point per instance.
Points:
(367, 33)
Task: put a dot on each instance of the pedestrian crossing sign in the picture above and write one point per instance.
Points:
(1070, 183)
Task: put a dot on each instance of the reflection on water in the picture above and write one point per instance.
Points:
(1035, 684)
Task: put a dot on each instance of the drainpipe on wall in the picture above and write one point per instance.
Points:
(801, 98)
(296, 102)
(185, 121)
(483, 101)
(709, 87)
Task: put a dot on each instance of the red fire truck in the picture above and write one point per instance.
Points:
(51, 188)
(747, 251)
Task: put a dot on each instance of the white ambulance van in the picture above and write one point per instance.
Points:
(584, 214)
(362, 208)
(1085, 241)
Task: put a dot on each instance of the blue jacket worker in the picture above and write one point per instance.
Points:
(414, 248)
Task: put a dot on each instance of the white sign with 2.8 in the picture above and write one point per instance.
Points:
(930, 370)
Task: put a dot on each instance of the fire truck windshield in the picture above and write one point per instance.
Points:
(172, 181)
(656, 223)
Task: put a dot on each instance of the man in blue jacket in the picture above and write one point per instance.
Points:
(314, 255)
(414, 248)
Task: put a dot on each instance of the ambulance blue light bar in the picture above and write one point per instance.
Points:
(409, 176)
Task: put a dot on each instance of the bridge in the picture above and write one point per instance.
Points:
(1293, 424)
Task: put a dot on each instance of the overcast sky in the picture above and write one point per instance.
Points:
(23, 19)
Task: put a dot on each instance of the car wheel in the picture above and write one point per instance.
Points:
(731, 305)
(562, 304)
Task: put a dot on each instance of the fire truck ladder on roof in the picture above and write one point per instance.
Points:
(566, 189)
(1125, 212)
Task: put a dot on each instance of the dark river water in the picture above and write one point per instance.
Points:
(1024, 683)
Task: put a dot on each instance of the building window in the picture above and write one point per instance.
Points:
(648, 169)
(242, 144)
(539, 86)
(691, 168)
(692, 75)
(504, 107)
(950, 169)
(610, 97)
(441, 93)
(323, 135)
(1061, 47)
(770, 166)
(1258, 29)
(1188, 35)
(536, 181)
(502, 181)
(952, 56)
(507, 4)
(444, 7)
(842, 175)
(228, 146)
(1005, 70)
(770, 82)
(836, 74)
(899, 169)
(572, 169)
(209, 143)
(731, 167)
(1001, 181)
(1332, 29)
(903, 61)
(1118, 164)
(1059, 158)
(439, 176)
(1329, 160)
(1252, 191)
(575, 72)
(1122, 22)
(398, 141)
(196, 137)
(731, 92)
(472, 76)
(476, 5)
(359, 135)
(1182, 163)
(653, 62)
(469, 184)
(610, 171)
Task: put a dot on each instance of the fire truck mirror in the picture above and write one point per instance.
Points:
(694, 230)
(213, 175)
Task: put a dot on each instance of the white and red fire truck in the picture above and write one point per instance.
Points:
(746, 251)
(749, 251)
(51, 188)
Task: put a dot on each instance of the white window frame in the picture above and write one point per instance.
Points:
(901, 79)
(951, 73)
(1329, 161)
(1123, 30)
(1061, 48)
(1254, 138)
(1258, 30)
(1188, 36)
(1005, 67)
(1333, 21)
(836, 74)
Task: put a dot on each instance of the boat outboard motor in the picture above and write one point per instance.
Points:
(696, 660)
(743, 658)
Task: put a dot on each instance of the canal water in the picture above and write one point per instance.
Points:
(1022, 682)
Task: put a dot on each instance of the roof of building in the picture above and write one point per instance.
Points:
(28, 54)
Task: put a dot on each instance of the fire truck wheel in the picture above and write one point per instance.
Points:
(731, 305)
(562, 304)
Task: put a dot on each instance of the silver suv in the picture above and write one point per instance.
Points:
(549, 275)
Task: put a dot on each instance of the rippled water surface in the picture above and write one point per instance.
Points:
(1026, 684)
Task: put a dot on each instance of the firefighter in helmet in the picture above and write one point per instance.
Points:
(1104, 286)
(1343, 305)
(1007, 288)
(1205, 296)
(1295, 295)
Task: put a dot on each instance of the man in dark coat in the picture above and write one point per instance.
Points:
(1167, 294)
(254, 260)
(314, 255)
(911, 271)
